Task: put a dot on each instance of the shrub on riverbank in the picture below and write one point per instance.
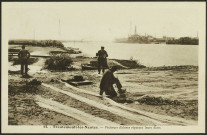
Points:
(58, 62)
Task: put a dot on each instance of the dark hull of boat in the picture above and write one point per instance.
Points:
(85, 67)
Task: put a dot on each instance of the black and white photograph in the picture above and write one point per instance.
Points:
(103, 67)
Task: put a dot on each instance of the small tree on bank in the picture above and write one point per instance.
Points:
(58, 62)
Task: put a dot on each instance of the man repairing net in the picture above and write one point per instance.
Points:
(102, 62)
(24, 57)
(107, 82)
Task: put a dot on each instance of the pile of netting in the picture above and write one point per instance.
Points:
(152, 100)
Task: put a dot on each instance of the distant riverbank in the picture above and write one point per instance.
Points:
(184, 41)
(43, 43)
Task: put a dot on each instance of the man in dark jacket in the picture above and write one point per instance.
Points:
(24, 56)
(102, 62)
(107, 82)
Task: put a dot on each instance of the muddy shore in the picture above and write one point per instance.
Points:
(167, 91)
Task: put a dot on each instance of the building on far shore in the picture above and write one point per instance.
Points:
(148, 39)
(143, 39)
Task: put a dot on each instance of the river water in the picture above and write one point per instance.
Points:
(147, 54)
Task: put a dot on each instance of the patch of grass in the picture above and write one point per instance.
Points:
(58, 62)
(18, 89)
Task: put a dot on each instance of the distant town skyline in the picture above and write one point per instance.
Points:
(101, 21)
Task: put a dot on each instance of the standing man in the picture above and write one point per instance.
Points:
(107, 82)
(102, 62)
(24, 56)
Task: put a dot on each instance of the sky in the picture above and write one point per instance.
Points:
(100, 20)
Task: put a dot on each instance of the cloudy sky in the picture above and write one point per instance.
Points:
(100, 21)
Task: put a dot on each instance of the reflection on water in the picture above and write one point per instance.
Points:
(147, 54)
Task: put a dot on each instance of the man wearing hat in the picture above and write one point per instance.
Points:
(102, 62)
(107, 82)
(24, 56)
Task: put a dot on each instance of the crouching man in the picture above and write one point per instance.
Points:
(107, 81)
